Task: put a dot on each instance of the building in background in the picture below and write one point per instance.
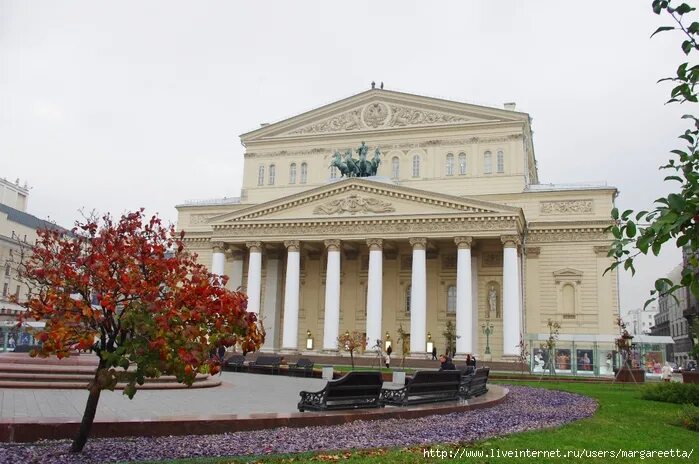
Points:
(640, 320)
(17, 229)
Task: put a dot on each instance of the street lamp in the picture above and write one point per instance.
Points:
(387, 341)
(488, 329)
(430, 344)
(309, 340)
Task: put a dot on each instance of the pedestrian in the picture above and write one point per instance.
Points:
(387, 359)
(434, 353)
(666, 372)
(473, 362)
(446, 365)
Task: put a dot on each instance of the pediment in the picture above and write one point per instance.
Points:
(377, 110)
(366, 198)
(567, 273)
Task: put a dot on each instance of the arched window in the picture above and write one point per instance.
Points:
(304, 173)
(292, 173)
(451, 299)
(261, 175)
(395, 168)
(272, 174)
(487, 163)
(333, 172)
(416, 166)
(449, 168)
(407, 298)
(462, 164)
(501, 161)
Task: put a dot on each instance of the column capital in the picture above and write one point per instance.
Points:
(463, 242)
(510, 241)
(332, 245)
(218, 247)
(418, 243)
(292, 245)
(601, 251)
(375, 244)
(255, 247)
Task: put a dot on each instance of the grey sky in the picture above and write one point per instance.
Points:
(116, 105)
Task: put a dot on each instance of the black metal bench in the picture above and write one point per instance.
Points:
(302, 366)
(425, 387)
(236, 362)
(265, 363)
(354, 390)
(474, 384)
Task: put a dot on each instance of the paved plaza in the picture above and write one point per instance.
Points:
(240, 393)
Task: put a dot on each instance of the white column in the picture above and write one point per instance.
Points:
(474, 301)
(254, 276)
(418, 297)
(218, 260)
(511, 316)
(331, 328)
(464, 301)
(374, 301)
(290, 332)
(235, 280)
(271, 309)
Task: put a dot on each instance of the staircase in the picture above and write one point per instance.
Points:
(19, 370)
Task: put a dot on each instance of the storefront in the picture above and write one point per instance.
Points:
(12, 336)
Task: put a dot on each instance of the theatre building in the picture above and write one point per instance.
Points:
(455, 226)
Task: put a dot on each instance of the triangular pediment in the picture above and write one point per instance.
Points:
(377, 110)
(363, 197)
(567, 273)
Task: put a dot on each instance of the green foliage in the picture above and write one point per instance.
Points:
(450, 337)
(688, 418)
(676, 216)
(672, 392)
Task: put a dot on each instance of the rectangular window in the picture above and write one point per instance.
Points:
(501, 162)
(7, 269)
(487, 163)
(4, 289)
(17, 292)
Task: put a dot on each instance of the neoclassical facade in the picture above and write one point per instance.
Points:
(454, 227)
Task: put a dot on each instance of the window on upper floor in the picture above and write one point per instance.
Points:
(487, 163)
(501, 162)
(333, 172)
(272, 174)
(462, 164)
(304, 173)
(292, 173)
(449, 168)
(5, 288)
(416, 166)
(261, 175)
(395, 168)
(451, 299)
(7, 269)
(408, 297)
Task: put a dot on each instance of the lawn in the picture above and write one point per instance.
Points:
(623, 422)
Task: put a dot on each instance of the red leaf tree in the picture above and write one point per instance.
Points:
(127, 290)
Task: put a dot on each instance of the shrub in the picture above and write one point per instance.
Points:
(680, 393)
(688, 418)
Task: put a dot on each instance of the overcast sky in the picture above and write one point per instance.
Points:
(116, 105)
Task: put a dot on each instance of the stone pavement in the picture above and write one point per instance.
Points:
(240, 393)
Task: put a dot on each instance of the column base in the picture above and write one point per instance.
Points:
(420, 355)
(485, 357)
(289, 351)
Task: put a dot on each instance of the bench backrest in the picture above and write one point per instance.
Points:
(481, 375)
(236, 360)
(268, 360)
(424, 382)
(304, 362)
(355, 384)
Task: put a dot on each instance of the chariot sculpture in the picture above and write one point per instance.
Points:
(362, 167)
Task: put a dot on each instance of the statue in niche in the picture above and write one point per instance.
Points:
(493, 309)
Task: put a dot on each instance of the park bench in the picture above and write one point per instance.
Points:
(425, 387)
(265, 363)
(236, 362)
(354, 390)
(302, 366)
(474, 384)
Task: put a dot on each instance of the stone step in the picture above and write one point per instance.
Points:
(207, 383)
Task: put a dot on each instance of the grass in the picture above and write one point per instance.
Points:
(348, 368)
(623, 421)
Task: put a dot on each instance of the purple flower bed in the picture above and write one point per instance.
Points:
(525, 409)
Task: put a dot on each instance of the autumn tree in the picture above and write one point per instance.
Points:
(128, 290)
(352, 342)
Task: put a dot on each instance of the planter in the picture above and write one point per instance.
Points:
(690, 377)
(327, 373)
(626, 375)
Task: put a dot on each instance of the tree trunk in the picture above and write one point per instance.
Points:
(352, 358)
(89, 414)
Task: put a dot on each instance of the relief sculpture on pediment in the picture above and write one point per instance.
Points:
(354, 204)
(404, 116)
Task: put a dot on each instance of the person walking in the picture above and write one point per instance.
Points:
(666, 373)
(434, 353)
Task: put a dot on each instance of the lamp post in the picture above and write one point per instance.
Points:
(488, 329)
(387, 341)
(430, 344)
(309, 340)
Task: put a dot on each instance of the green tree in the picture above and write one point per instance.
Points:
(675, 216)
(450, 337)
